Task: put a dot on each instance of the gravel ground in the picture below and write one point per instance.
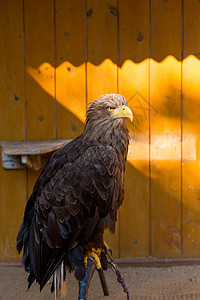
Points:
(180, 282)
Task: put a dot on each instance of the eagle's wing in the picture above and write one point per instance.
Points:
(79, 186)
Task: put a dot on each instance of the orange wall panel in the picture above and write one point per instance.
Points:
(70, 67)
(191, 130)
(134, 86)
(165, 96)
(12, 123)
(40, 62)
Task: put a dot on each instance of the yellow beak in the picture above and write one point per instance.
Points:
(123, 112)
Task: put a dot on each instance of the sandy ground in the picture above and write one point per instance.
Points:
(180, 282)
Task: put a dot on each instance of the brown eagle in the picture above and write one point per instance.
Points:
(77, 195)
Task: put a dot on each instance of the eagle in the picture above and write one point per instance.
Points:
(77, 195)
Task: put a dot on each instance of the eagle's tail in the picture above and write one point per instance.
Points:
(59, 284)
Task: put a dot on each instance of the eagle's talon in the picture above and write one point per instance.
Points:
(94, 254)
(99, 256)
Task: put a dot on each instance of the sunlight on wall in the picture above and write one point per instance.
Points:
(165, 89)
(163, 147)
(102, 79)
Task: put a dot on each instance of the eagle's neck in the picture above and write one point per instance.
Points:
(114, 134)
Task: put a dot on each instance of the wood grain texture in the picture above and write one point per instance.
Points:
(70, 67)
(101, 48)
(102, 64)
(191, 126)
(12, 104)
(40, 62)
(134, 86)
(12, 123)
(32, 147)
(40, 74)
(165, 89)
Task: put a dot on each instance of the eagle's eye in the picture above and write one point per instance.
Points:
(110, 108)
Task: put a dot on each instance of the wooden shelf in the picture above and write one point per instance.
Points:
(31, 154)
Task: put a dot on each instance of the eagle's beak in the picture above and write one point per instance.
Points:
(123, 112)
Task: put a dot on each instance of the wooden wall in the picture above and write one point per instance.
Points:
(58, 55)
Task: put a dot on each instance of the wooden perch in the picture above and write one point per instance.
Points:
(31, 154)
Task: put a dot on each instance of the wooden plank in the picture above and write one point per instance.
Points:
(156, 262)
(102, 64)
(12, 123)
(40, 61)
(165, 93)
(134, 86)
(12, 101)
(40, 76)
(101, 48)
(70, 67)
(32, 147)
(191, 126)
(13, 200)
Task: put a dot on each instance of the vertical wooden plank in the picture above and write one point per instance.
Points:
(191, 130)
(101, 48)
(134, 86)
(12, 123)
(70, 68)
(165, 89)
(40, 79)
(40, 61)
(102, 63)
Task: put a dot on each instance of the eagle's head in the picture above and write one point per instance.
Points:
(109, 108)
(105, 114)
